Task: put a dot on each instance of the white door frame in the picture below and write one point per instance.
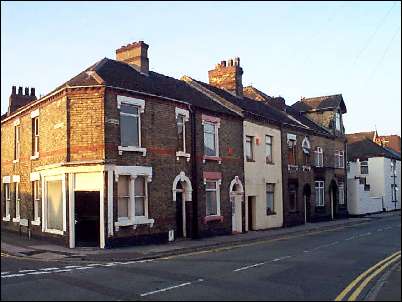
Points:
(238, 197)
(186, 194)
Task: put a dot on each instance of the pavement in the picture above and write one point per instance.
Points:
(305, 264)
(15, 245)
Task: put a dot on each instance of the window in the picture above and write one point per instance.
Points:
(249, 148)
(291, 152)
(268, 149)
(123, 203)
(17, 142)
(338, 121)
(212, 198)
(35, 136)
(270, 195)
(54, 210)
(210, 139)
(292, 192)
(319, 157)
(319, 193)
(17, 200)
(339, 159)
(393, 190)
(129, 125)
(7, 196)
(364, 167)
(181, 132)
(36, 199)
(306, 151)
(139, 196)
(341, 190)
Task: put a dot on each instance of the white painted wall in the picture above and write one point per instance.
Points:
(359, 201)
(259, 173)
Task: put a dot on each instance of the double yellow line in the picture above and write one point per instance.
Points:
(367, 276)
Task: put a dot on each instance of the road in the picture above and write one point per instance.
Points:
(315, 266)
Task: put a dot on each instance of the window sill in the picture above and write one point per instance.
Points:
(212, 158)
(24, 222)
(138, 220)
(35, 222)
(306, 168)
(132, 149)
(270, 163)
(36, 156)
(182, 154)
(51, 231)
(16, 219)
(213, 218)
(271, 213)
(16, 161)
(250, 160)
(293, 168)
(7, 218)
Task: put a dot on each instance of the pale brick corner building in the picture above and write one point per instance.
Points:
(120, 155)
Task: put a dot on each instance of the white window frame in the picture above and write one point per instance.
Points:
(141, 109)
(339, 159)
(337, 121)
(252, 158)
(216, 127)
(45, 180)
(127, 218)
(217, 189)
(35, 177)
(35, 117)
(7, 193)
(271, 146)
(17, 196)
(134, 172)
(319, 157)
(17, 140)
(320, 193)
(186, 117)
(341, 189)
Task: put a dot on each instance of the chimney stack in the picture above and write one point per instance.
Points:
(228, 75)
(135, 54)
(19, 100)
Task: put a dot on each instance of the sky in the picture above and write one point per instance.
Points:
(288, 49)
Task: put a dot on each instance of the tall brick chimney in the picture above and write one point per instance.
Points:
(228, 75)
(135, 54)
(17, 100)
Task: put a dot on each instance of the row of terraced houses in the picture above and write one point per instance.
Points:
(121, 155)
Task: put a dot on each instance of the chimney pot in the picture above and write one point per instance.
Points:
(20, 90)
(230, 78)
(13, 90)
(26, 91)
(32, 91)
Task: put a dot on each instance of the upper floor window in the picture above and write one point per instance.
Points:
(339, 159)
(319, 157)
(35, 136)
(306, 151)
(17, 142)
(268, 149)
(338, 121)
(210, 139)
(291, 149)
(364, 167)
(319, 193)
(249, 148)
(182, 116)
(130, 123)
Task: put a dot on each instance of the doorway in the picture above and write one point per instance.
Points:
(251, 206)
(334, 199)
(180, 213)
(87, 209)
(307, 205)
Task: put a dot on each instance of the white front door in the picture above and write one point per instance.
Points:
(236, 213)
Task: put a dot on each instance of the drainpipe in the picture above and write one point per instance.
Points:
(194, 172)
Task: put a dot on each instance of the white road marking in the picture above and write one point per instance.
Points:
(169, 288)
(387, 228)
(62, 270)
(85, 267)
(4, 273)
(38, 273)
(350, 238)
(379, 230)
(13, 275)
(95, 264)
(365, 234)
(49, 269)
(249, 266)
(72, 266)
(281, 258)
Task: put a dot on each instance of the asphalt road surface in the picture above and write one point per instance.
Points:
(315, 266)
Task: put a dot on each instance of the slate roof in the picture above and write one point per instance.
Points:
(354, 137)
(320, 103)
(119, 74)
(366, 148)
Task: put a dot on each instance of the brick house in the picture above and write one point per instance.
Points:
(312, 154)
(120, 155)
